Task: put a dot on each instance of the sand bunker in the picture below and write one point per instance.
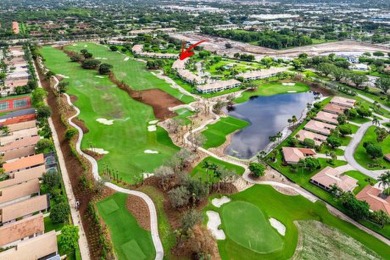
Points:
(63, 76)
(278, 226)
(153, 122)
(126, 59)
(213, 224)
(219, 202)
(151, 151)
(105, 121)
(98, 150)
(85, 46)
(146, 175)
(152, 128)
(289, 84)
(100, 77)
(292, 91)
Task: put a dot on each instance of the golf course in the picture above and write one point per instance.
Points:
(117, 124)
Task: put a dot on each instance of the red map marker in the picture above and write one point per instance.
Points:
(187, 52)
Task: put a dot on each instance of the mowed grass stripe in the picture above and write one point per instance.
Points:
(129, 239)
(216, 133)
(127, 138)
(131, 71)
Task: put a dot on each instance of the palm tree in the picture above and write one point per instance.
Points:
(375, 120)
(384, 179)
(294, 119)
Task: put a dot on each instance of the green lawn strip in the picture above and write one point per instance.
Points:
(246, 225)
(363, 180)
(287, 209)
(127, 138)
(360, 120)
(131, 71)
(216, 133)
(165, 230)
(271, 88)
(201, 173)
(184, 114)
(364, 159)
(49, 226)
(129, 239)
(365, 103)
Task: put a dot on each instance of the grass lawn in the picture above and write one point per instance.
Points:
(99, 98)
(129, 239)
(183, 114)
(253, 231)
(364, 159)
(49, 226)
(131, 71)
(360, 120)
(269, 89)
(363, 180)
(201, 173)
(286, 209)
(216, 133)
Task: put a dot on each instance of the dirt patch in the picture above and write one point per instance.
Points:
(139, 209)
(80, 123)
(96, 156)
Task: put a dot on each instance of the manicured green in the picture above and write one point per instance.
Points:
(288, 209)
(129, 239)
(127, 138)
(246, 225)
(363, 180)
(216, 133)
(271, 88)
(364, 159)
(131, 71)
(184, 114)
(203, 174)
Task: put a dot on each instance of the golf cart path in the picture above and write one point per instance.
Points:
(95, 171)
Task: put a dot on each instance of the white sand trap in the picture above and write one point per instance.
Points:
(213, 224)
(105, 121)
(98, 150)
(63, 76)
(147, 175)
(288, 84)
(152, 128)
(74, 44)
(278, 226)
(98, 58)
(126, 59)
(85, 46)
(100, 77)
(153, 122)
(219, 202)
(151, 151)
(292, 91)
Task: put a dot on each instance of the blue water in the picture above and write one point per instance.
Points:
(267, 116)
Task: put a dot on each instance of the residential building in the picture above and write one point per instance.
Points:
(328, 177)
(327, 118)
(138, 50)
(39, 247)
(15, 232)
(19, 148)
(387, 157)
(219, 85)
(292, 155)
(15, 27)
(22, 125)
(23, 176)
(334, 109)
(18, 135)
(19, 191)
(375, 198)
(319, 127)
(317, 138)
(343, 102)
(260, 74)
(24, 163)
(18, 116)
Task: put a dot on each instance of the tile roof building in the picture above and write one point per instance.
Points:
(17, 135)
(23, 176)
(261, 74)
(327, 118)
(19, 148)
(343, 102)
(292, 155)
(317, 138)
(319, 127)
(19, 191)
(328, 177)
(219, 85)
(334, 109)
(24, 163)
(375, 198)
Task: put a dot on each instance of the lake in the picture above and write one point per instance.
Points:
(267, 116)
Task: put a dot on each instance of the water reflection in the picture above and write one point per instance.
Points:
(267, 116)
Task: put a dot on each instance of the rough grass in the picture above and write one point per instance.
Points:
(323, 242)
(125, 140)
(364, 159)
(129, 239)
(269, 89)
(131, 71)
(216, 133)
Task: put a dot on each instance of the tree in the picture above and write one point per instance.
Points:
(333, 141)
(105, 68)
(344, 130)
(342, 119)
(309, 163)
(190, 219)
(70, 133)
(381, 134)
(373, 150)
(88, 55)
(37, 97)
(307, 142)
(44, 146)
(375, 120)
(43, 112)
(384, 179)
(83, 51)
(113, 48)
(351, 113)
(358, 79)
(63, 86)
(90, 64)
(51, 180)
(228, 45)
(75, 57)
(68, 240)
(257, 169)
(59, 213)
(383, 84)
(380, 217)
(179, 196)
(356, 209)
(363, 111)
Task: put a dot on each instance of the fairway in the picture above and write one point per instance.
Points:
(216, 133)
(128, 137)
(272, 88)
(129, 70)
(246, 225)
(129, 239)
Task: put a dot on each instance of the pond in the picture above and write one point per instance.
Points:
(267, 116)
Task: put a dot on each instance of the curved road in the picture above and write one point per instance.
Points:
(152, 209)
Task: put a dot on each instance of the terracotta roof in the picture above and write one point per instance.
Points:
(373, 196)
(24, 208)
(327, 117)
(332, 108)
(387, 157)
(318, 139)
(319, 127)
(24, 163)
(293, 154)
(330, 176)
(28, 141)
(345, 102)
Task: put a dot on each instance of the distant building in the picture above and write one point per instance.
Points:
(328, 177)
(359, 66)
(219, 85)
(260, 74)
(15, 27)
